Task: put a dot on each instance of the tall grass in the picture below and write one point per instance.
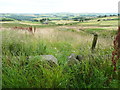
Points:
(94, 71)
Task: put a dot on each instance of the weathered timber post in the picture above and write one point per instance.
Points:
(94, 41)
(34, 29)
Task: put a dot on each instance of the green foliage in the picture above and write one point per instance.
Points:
(94, 71)
(102, 32)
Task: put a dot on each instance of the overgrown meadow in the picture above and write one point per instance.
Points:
(95, 70)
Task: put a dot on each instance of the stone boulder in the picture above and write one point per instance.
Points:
(79, 57)
(50, 59)
(74, 59)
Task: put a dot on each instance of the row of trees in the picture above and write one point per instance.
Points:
(80, 19)
(101, 16)
(44, 20)
(20, 17)
(7, 19)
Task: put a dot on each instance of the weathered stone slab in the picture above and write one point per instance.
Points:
(49, 58)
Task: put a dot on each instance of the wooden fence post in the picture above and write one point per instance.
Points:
(94, 41)
(118, 28)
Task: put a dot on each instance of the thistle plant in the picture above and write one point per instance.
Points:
(116, 52)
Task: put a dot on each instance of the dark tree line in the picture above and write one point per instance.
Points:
(21, 17)
(7, 19)
(44, 20)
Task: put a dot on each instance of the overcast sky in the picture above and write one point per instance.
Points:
(50, 6)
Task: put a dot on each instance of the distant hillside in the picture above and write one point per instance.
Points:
(55, 16)
(18, 17)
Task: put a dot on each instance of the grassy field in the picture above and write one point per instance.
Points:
(94, 71)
